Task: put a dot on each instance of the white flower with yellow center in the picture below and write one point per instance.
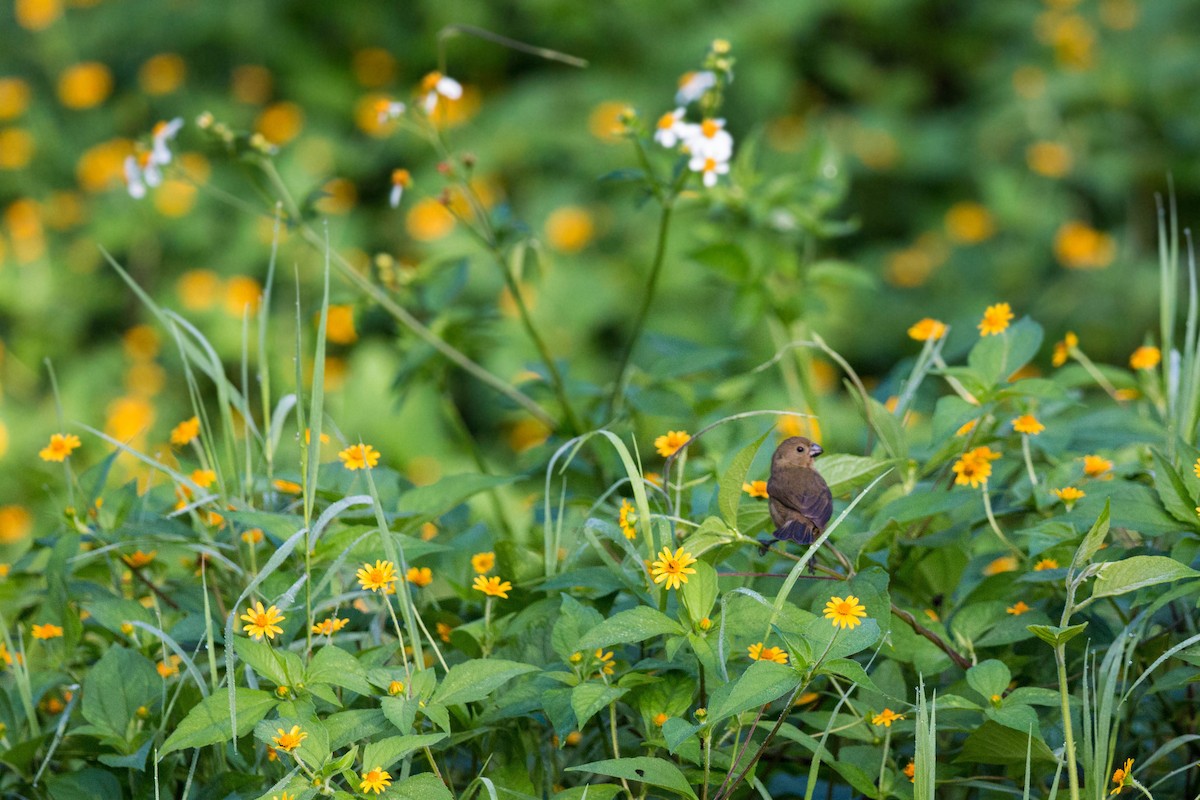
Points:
(388, 110)
(693, 85)
(141, 172)
(710, 167)
(671, 129)
(436, 85)
(709, 139)
(401, 180)
(161, 136)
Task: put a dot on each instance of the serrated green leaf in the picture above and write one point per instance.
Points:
(335, 666)
(989, 678)
(1095, 537)
(1054, 635)
(1138, 572)
(626, 627)
(260, 656)
(589, 697)
(652, 771)
(208, 722)
(761, 683)
(729, 491)
(993, 743)
(386, 752)
(476, 679)
(116, 686)
(425, 786)
(699, 594)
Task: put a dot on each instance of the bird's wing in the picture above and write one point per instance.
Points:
(804, 492)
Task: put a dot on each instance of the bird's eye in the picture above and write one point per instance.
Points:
(799, 449)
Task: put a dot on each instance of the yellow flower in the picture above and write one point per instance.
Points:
(492, 587)
(15, 524)
(419, 576)
(444, 631)
(969, 223)
(329, 626)
(1069, 494)
(886, 718)
(569, 229)
(376, 577)
(974, 467)
(926, 329)
(573, 738)
(60, 447)
(1145, 357)
(1062, 350)
(185, 431)
(1045, 563)
(1049, 159)
(756, 489)
(262, 621)
(138, 559)
(845, 613)
(395, 688)
(1122, 777)
(660, 719)
(289, 740)
(673, 569)
(1001, 565)
(760, 653)
(669, 443)
(339, 325)
(483, 562)
(1018, 608)
(1028, 423)
(966, 427)
(359, 456)
(995, 319)
(605, 666)
(204, 478)
(47, 631)
(627, 520)
(84, 85)
(1096, 466)
(253, 536)
(287, 487)
(911, 771)
(1079, 246)
(166, 670)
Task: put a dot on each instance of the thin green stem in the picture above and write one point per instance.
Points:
(399, 637)
(1060, 658)
(612, 724)
(1028, 459)
(987, 507)
(887, 745)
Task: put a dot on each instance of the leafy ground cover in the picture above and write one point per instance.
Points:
(252, 598)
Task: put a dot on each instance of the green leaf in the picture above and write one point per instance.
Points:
(594, 791)
(626, 627)
(677, 731)
(729, 491)
(699, 594)
(1130, 574)
(850, 669)
(438, 498)
(994, 358)
(1095, 537)
(589, 697)
(652, 771)
(847, 473)
(476, 679)
(347, 727)
(208, 722)
(993, 743)
(117, 685)
(761, 683)
(386, 752)
(725, 258)
(840, 274)
(425, 786)
(1173, 492)
(335, 666)
(86, 784)
(989, 678)
(261, 657)
(574, 620)
(1054, 635)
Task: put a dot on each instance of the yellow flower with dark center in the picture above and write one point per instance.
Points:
(1122, 776)
(262, 622)
(483, 562)
(374, 578)
(669, 443)
(995, 319)
(138, 559)
(756, 489)
(886, 718)
(185, 431)
(1017, 609)
(1000, 565)
(845, 613)
(606, 661)
(287, 487)
(289, 740)
(47, 630)
(1044, 564)
(673, 569)
(60, 447)
(926, 329)
(419, 576)
(974, 467)
(760, 653)
(1145, 357)
(1096, 466)
(1069, 494)
(627, 519)
(1028, 424)
(329, 626)
(359, 456)
(492, 587)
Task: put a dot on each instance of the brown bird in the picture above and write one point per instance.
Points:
(800, 501)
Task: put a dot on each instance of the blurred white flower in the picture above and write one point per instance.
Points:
(709, 139)
(162, 135)
(710, 167)
(693, 85)
(141, 172)
(388, 110)
(436, 85)
(401, 180)
(671, 129)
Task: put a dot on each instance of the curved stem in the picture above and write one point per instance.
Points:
(987, 507)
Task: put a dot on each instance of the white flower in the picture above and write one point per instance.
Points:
(388, 110)
(401, 180)
(711, 168)
(436, 85)
(709, 139)
(163, 133)
(693, 85)
(141, 172)
(671, 129)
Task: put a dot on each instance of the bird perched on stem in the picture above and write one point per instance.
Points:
(800, 501)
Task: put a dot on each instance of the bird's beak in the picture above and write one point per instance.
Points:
(815, 450)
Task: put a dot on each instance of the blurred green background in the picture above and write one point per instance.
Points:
(992, 151)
